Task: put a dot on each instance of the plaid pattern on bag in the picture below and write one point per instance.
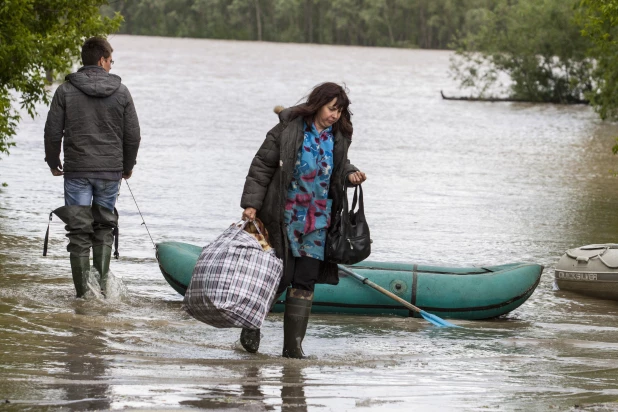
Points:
(234, 281)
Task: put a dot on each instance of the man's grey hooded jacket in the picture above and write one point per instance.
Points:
(94, 113)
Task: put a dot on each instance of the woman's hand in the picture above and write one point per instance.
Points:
(249, 214)
(357, 177)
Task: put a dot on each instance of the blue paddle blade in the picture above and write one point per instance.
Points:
(437, 321)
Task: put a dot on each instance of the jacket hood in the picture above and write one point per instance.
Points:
(285, 115)
(94, 81)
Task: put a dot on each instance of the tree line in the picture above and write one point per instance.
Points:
(429, 24)
(559, 51)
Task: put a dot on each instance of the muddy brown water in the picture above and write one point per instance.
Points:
(453, 183)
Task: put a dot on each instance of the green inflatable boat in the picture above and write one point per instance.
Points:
(451, 292)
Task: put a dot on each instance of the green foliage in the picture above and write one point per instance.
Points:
(534, 45)
(39, 36)
(599, 22)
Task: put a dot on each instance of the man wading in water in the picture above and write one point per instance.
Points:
(95, 114)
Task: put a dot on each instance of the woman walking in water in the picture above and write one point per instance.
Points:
(294, 185)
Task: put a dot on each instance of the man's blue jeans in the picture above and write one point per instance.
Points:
(86, 191)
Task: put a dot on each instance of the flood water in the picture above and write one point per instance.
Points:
(454, 183)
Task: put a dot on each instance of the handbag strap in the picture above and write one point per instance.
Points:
(258, 229)
(344, 208)
(242, 223)
(240, 226)
(361, 205)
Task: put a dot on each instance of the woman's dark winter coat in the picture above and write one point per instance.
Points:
(271, 172)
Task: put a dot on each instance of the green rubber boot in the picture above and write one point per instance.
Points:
(250, 338)
(78, 220)
(295, 320)
(80, 269)
(101, 256)
(105, 220)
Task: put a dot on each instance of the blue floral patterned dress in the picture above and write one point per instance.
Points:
(307, 207)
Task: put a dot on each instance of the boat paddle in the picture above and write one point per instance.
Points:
(427, 316)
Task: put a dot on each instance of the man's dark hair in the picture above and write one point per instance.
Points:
(93, 49)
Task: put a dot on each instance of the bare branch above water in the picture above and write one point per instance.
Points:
(509, 99)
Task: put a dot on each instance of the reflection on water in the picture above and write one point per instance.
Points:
(293, 392)
(250, 395)
(449, 182)
(85, 362)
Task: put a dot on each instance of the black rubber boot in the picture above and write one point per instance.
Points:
(250, 338)
(105, 221)
(101, 256)
(295, 319)
(80, 269)
(78, 220)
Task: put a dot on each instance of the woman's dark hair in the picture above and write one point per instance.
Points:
(321, 95)
(93, 49)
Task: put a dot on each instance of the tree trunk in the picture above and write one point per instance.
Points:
(258, 20)
(422, 25)
(387, 16)
(309, 21)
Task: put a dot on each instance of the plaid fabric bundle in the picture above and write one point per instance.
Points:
(234, 281)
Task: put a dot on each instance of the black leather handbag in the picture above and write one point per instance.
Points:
(348, 240)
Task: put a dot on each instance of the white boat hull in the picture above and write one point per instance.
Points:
(590, 270)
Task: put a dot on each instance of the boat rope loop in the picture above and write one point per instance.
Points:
(599, 256)
(140, 213)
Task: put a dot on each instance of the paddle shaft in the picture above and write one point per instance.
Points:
(380, 289)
